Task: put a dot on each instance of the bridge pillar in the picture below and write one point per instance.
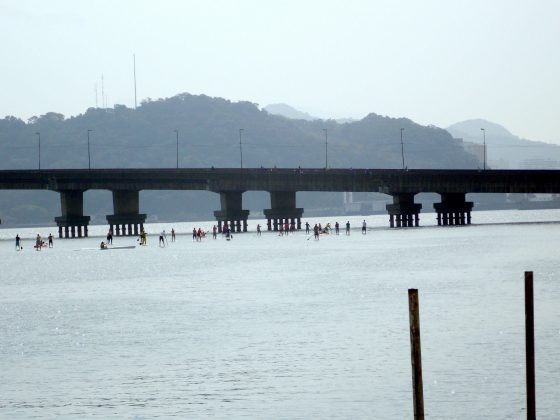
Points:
(232, 212)
(127, 219)
(404, 212)
(72, 223)
(283, 210)
(453, 209)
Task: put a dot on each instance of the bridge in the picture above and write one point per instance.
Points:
(282, 184)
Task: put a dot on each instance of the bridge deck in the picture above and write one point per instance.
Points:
(286, 179)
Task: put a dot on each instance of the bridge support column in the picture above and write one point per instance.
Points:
(404, 212)
(283, 210)
(232, 212)
(72, 223)
(127, 219)
(453, 210)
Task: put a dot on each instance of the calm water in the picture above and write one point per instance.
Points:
(281, 327)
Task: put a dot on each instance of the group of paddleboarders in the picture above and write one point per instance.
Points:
(39, 242)
(285, 228)
(199, 234)
(318, 229)
(226, 231)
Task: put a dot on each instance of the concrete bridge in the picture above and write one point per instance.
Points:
(282, 184)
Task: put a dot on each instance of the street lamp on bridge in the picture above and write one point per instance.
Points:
(484, 145)
(326, 147)
(39, 140)
(240, 147)
(88, 153)
(402, 148)
(177, 144)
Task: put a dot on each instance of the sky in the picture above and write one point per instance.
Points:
(433, 61)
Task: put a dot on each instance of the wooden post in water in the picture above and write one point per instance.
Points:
(416, 354)
(530, 346)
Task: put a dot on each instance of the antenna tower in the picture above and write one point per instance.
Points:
(134, 66)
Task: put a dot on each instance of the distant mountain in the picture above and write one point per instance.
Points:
(289, 112)
(505, 150)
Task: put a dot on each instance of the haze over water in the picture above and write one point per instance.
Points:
(281, 327)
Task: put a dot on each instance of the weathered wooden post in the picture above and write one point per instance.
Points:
(416, 354)
(530, 346)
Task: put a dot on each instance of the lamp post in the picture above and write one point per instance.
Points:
(402, 148)
(177, 144)
(326, 147)
(484, 145)
(88, 153)
(240, 147)
(39, 140)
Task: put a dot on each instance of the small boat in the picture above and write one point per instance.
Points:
(107, 248)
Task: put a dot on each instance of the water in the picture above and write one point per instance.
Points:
(281, 327)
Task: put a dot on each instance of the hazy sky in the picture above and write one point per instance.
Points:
(436, 62)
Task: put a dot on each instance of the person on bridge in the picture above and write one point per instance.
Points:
(348, 228)
(364, 227)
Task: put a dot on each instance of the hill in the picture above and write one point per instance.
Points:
(289, 112)
(506, 150)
